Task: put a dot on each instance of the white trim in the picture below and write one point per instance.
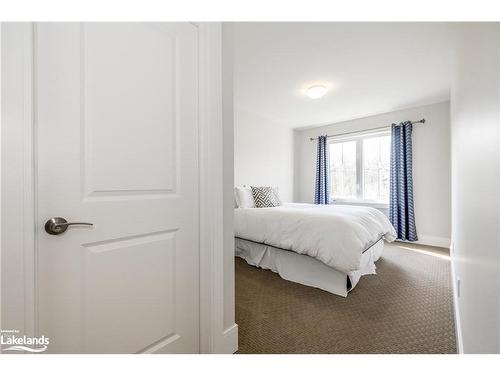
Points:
(427, 240)
(213, 337)
(359, 202)
(229, 342)
(456, 307)
(356, 135)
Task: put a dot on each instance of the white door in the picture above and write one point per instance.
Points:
(116, 108)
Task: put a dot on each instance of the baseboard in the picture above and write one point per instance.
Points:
(432, 241)
(228, 344)
(456, 309)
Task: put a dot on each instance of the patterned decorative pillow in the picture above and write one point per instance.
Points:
(265, 196)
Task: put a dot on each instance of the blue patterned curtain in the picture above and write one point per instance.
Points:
(322, 189)
(401, 210)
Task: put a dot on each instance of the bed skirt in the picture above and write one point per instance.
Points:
(306, 270)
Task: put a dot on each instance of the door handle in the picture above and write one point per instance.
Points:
(58, 225)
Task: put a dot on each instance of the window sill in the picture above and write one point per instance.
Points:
(355, 202)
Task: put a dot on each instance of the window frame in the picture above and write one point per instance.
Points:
(358, 137)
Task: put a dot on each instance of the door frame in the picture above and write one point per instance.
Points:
(18, 200)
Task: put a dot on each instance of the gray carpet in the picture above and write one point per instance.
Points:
(405, 308)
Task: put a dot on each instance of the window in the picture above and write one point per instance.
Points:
(359, 167)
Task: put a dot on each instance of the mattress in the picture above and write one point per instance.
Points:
(307, 270)
(336, 235)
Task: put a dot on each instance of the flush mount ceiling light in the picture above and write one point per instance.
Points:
(316, 92)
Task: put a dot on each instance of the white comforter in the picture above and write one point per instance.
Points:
(337, 235)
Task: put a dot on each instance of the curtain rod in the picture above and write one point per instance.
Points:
(422, 121)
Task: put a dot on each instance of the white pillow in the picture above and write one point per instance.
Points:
(244, 197)
(277, 195)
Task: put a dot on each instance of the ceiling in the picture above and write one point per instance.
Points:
(369, 68)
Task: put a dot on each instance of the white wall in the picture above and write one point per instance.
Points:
(431, 165)
(263, 153)
(475, 186)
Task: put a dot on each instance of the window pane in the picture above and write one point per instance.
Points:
(385, 150)
(343, 169)
(384, 190)
(370, 153)
(335, 156)
(349, 155)
(376, 155)
(371, 184)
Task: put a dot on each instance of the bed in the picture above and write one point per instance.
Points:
(324, 246)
